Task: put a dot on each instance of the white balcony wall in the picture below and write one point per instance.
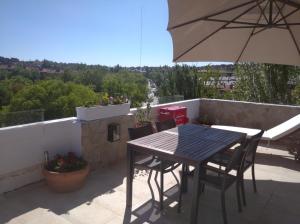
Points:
(22, 149)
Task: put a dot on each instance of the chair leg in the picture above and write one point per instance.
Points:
(203, 188)
(238, 196)
(184, 180)
(243, 189)
(156, 181)
(175, 177)
(220, 168)
(181, 189)
(149, 184)
(223, 207)
(253, 179)
(160, 188)
(161, 195)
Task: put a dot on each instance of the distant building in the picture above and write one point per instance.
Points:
(226, 81)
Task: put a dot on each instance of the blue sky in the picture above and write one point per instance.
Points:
(103, 32)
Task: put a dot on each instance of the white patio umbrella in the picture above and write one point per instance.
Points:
(265, 31)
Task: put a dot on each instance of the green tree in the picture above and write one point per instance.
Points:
(57, 98)
(92, 78)
(267, 83)
(132, 85)
(188, 81)
(9, 87)
(296, 94)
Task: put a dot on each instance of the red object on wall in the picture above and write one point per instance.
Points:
(174, 112)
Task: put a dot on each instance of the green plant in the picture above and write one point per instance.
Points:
(89, 104)
(104, 99)
(205, 120)
(66, 163)
(117, 100)
(143, 115)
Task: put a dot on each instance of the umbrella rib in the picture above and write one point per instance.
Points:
(259, 31)
(264, 27)
(283, 28)
(287, 15)
(251, 34)
(290, 3)
(244, 27)
(235, 22)
(290, 24)
(290, 31)
(245, 46)
(214, 32)
(270, 21)
(214, 14)
(262, 10)
(278, 13)
(276, 23)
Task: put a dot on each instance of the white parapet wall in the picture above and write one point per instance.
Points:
(22, 149)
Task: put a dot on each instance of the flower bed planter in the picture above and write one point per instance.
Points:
(100, 112)
(65, 173)
(66, 182)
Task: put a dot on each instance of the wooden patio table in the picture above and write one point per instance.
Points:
(188, 144)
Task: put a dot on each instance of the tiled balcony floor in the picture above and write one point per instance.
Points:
(102, 200)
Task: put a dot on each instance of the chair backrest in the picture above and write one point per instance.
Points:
(139, 132)
(165, 125)
(236, 159)
(245, 152)
(251, 147)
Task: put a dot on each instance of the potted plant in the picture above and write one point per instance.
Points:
(109, 107)
(204, 120)
(65, 173)
(143, 116)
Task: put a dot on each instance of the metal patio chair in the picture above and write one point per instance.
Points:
(152, 163)
(222, 179)
(249, 153)
(165, 125)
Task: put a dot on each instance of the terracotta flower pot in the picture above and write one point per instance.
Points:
(66, 182)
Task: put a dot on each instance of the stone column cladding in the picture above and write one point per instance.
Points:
(95, 147)
(252, 115)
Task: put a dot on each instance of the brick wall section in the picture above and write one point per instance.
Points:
(95, 147)
(252, 115)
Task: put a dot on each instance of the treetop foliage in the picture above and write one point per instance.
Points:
(57, 88)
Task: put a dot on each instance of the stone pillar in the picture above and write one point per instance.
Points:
(95, 147)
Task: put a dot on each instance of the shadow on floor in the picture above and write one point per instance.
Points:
(35, 196)
(275, 202)
(285, 161)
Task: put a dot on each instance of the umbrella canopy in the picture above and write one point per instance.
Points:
(265, 31)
